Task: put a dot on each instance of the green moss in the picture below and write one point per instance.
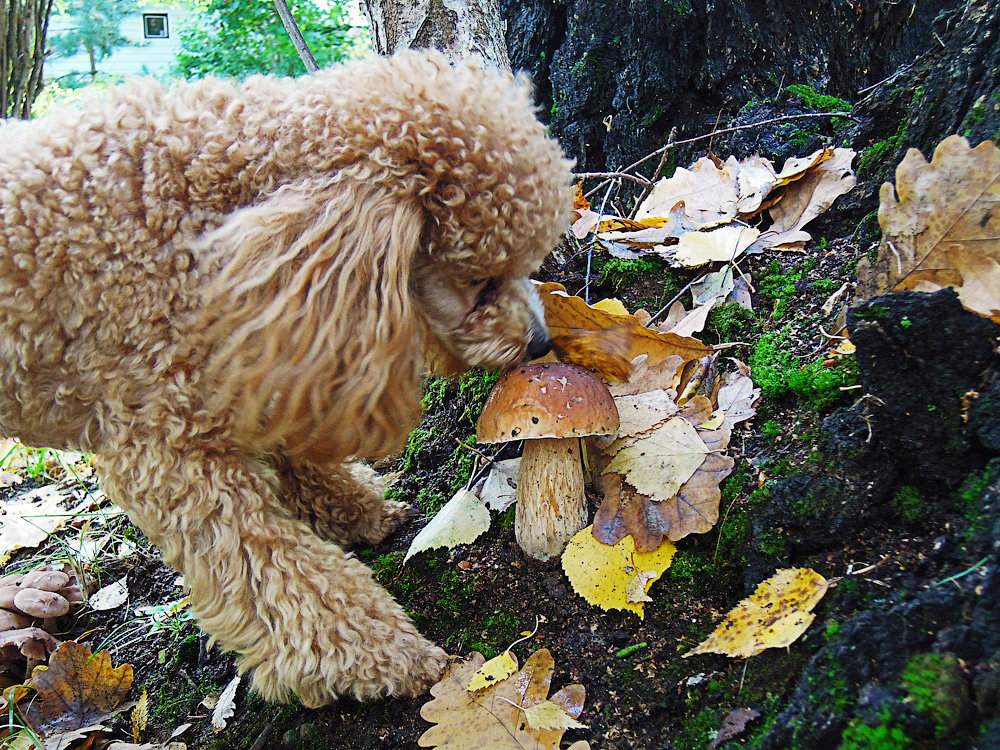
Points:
(910, 504)
(873, 158)
(434, 391)
(771, 429)
(619, 272)
(974, 488)
(430, 501)
(826, 286)
(730, 322)
(821, 103)
(413, 446)
(680, 7)
(772, 543)
(832, 629)
(882, 736)
(936, 687)
(778, 373)
(475, 387)
(778, 286)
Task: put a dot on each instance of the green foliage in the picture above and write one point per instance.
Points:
(237, 38)
(910, 504)
(832, 629)
(413, 445)
(619, 272)
(936, 687)
(731, 321)
(882, 736)
(873, 158)
(779, 287)
(822, 103)
(974, 488)
(771, 429)
(475, 387)
(778, 372)
(94, 30)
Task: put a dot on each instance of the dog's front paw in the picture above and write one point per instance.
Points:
(393, 516)
(426, 669)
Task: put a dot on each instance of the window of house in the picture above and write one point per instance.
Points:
(154, 25)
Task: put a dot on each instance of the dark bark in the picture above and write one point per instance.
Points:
(651, 65)
(23, 27)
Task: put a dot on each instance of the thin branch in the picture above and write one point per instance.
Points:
(656, 174)
(590, 250)
(301, 46)
(612, 175)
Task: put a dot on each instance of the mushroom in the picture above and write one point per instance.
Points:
(550, 406)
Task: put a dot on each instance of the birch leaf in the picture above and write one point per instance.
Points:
(659, 463)
(549, 715)
(774, 616)
(460, 521)
(497, 669)
(723, 244)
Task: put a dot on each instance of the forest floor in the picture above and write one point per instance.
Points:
(809, 489)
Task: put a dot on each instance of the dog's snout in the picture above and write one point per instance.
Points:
(539, 345)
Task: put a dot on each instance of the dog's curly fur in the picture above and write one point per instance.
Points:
(227, 293)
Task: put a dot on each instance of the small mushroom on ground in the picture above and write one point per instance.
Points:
(550, 406)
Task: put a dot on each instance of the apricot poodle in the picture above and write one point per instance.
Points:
(227, 293)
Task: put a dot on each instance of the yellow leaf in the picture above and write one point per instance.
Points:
(140, 715)
(657, 464)
(602, 573)
(775, 615)
(612, 306)
(941, 227)
(548, 715)
(722, 244)
(497, 669)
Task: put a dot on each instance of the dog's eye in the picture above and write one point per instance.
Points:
(478, 282)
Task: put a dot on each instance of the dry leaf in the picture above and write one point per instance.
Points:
(111, 596)
(694, 321)
(497, 669)
(606, 351)
(500, 490)
(28, 520)
(75, 692)
(775, 615)
(602, 573)
(658, 463)
(225, 705)
(140, 716)
(733, 725)
(723, 244)
(708, 193)
(460, 521)
(495, 718)
(549, 715)
(567, 316)
(635, 592)
(941, 227)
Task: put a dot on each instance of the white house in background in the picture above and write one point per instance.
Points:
(153, 28)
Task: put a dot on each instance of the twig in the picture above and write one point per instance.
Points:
(735, 128)
(676, 297)
(886, 80)
(656, 174)
(590, 250)
(265, 736)
(301, 46)
(612, 175)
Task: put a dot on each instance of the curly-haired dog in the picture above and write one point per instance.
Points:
(227, 292)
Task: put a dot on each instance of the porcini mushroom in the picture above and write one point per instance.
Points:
(550, 406)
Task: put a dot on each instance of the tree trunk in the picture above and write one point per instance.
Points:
(459, 28)
(23, 26)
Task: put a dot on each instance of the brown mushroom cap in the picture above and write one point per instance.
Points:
(46, 580)
(549, 400)
(38, 603)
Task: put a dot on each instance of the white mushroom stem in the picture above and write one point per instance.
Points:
(551, 506)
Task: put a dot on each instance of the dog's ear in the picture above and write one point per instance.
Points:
(315, 348)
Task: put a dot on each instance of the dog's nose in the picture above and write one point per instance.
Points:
(539, 346)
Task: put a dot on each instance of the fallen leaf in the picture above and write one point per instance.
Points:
(567, 316)
(723, 244)
(75, 692)
(941, 227)
(497, 669)
(500, 490)
(736, 399)
(814, 192)
(635, 592)
(495, 718)
(708, 193)
(602, 573)
(605, 351)
(225, 705)
(640, 413)
(140, 715)
(695, 320)
(775, 615)
(733, 725)
(549, 715)
(460, 521)
(30, 519)
(111, 596)
(658, 463)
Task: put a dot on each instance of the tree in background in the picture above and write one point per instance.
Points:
(23, 25)
(95, 30)
(236, 38)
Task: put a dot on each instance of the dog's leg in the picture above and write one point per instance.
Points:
(341, 502)
(307, 617)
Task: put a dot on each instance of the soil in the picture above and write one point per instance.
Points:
(883, 475)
